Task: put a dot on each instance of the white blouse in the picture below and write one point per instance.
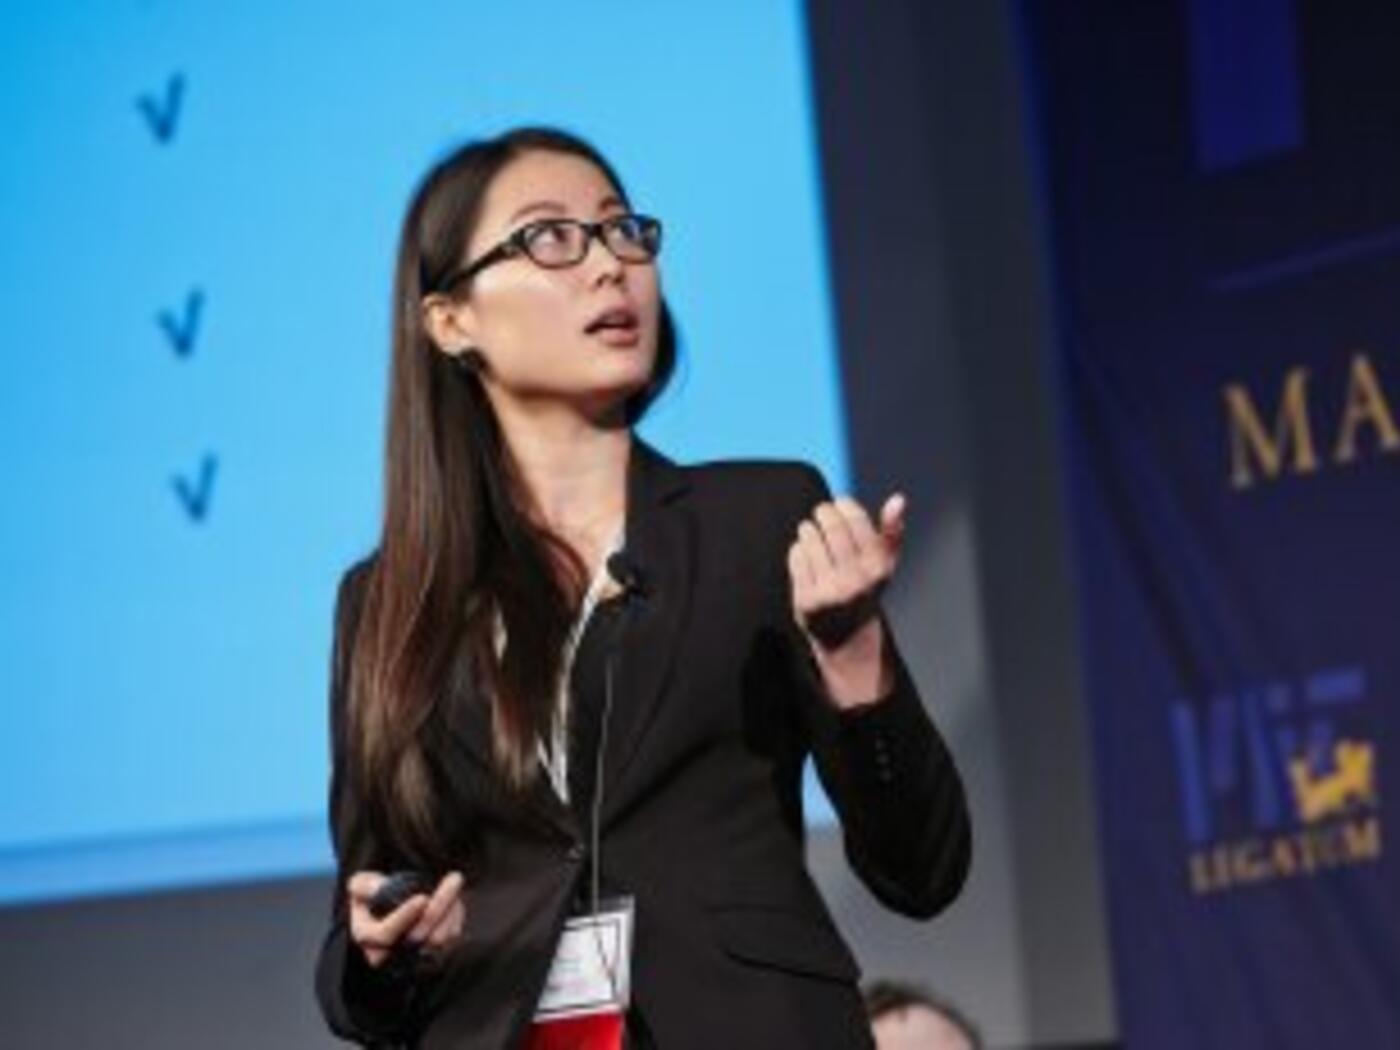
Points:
(555, 754)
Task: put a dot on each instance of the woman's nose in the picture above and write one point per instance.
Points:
(599, 260)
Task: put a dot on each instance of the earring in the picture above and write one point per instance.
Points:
(469, 361)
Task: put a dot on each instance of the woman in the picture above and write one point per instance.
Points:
(573, 669)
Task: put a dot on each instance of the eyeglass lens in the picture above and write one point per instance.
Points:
(562, 242)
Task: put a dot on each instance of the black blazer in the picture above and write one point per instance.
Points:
(717, 703)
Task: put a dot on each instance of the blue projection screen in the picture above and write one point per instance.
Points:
(201, 206)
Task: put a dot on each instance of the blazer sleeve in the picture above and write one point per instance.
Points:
(373, 1006)
(887, 770)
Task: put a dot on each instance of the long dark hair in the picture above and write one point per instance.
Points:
(455, 545)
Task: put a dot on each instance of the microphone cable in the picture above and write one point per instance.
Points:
(622, 569)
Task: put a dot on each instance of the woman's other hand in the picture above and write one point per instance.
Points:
(433, 922)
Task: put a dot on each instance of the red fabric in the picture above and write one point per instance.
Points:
(594, 1032)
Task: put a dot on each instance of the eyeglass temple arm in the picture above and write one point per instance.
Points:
(496, 254)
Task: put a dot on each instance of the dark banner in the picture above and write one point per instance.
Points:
(1222, 194)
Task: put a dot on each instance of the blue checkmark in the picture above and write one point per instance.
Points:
(162, 114)
(195, 497)
(181, 331)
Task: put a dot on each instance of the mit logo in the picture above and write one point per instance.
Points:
(1261, 759)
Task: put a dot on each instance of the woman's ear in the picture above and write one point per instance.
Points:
(450, 323)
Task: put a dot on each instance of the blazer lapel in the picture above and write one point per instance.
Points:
(659, 542)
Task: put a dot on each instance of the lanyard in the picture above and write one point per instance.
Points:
(555, 755)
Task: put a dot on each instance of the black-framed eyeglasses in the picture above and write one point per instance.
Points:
(557, 242)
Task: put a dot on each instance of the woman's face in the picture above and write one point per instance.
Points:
(532, 323)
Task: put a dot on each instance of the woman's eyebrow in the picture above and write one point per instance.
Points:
(610, 201)
(536, 206)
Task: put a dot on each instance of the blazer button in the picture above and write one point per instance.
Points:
(576, 851)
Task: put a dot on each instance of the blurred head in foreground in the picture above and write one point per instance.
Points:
(904, 1017)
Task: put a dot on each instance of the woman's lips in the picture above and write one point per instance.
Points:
(615, 336)
(614, 317)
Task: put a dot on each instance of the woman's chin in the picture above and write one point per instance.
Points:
(604, 402)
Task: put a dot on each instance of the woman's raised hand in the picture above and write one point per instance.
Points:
(839, 563)
(432, 921)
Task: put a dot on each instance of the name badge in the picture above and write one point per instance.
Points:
(585, 998)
